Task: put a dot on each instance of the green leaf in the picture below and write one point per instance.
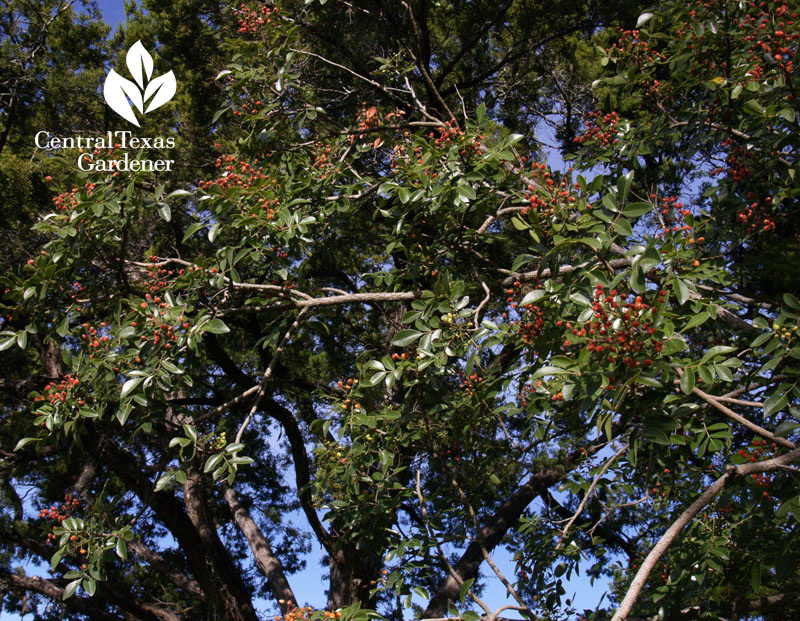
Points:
(696, 320)
(127, 332)
(717, 350)
(723, 372)
(610, 203)
(129, 386)
(56, 559)
(706, 375)
(521, 260)
(681, 290)
(532, 296)
(190, 432)
(788, 114)
(687, 381)
(164, 480)
(753, 107)
(463, 588)
(89, 585)
(70, 589)
(519, 224)
(165, 213)
(623, 227)
(212, 462)
(673, 346)
(169, 366)
(624, 186)
(221, 111)
(406, 337)
(791, 301)
(410, 317)
(755, 577)
(193, 229)
(63, 326)
(634, 210)
(215, 326)
(549, 370)
(775, 403)
(24, 442)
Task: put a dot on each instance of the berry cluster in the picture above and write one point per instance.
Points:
(94, 338)
(543, 199)
(759, 451)
(768, 36)
(60, 392)
(253, 19)
(157, 272)
(322, 159)
(447, 134)
(786, 334)
(348, 386)
(304, 613)
(252, 109)
(672, 216)
(621, 330)
(236, 173)
(154, 319)
(531, 322)
(67, 200)
(755, 215)
(470, 383)
(217, 443)
(630, 45)
(600, 129)
(58, 514)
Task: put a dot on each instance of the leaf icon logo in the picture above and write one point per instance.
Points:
(123, 95)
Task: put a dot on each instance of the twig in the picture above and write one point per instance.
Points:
(476, 315)
(713, 401)
(524, 608)
(268, 374)
(453, 573)
(619, 506)
(588, 494)
(370, 81)
(421, 106)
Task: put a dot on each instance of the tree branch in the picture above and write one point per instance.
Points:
(683, 520)
(262, 551)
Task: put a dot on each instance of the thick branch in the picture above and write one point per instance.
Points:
(296, 442)
(160, 564)
(209, 560)
(687, 516)
(505, 517)
(711, 400)
(262, 551)
(47, 588)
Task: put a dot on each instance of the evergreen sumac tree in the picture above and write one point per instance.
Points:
(364, 300)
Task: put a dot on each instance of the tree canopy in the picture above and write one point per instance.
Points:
(363, 297)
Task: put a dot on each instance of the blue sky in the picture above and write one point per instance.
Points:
(113, 11)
